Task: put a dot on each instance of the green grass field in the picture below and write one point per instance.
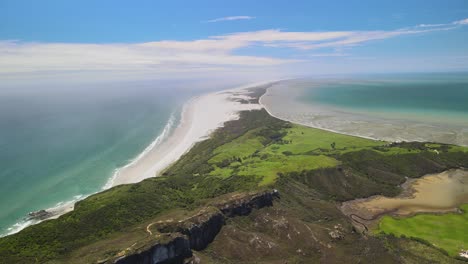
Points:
(306, 140)
(299, 149)
(245, 155)
(446, 231)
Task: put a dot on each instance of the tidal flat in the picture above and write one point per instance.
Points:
(248, 155)
(392, 108)
(434, 193)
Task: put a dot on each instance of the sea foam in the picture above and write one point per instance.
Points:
(66, 206)
(157, 141)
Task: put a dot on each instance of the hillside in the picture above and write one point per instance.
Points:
(312, 170)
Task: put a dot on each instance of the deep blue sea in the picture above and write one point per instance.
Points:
(59, 144)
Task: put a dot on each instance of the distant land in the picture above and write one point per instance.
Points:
(263, 189)
(234, 132)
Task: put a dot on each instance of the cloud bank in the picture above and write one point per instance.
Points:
(19, 60)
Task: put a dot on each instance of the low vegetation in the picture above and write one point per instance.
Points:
(268, 152)
(445, 231)
(314, 169)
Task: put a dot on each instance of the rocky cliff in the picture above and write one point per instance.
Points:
(174, 251)
(197, 231)
(244, 205)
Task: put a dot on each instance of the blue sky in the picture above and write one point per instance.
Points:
(156, 39)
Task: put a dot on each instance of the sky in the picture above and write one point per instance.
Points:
(57, 40)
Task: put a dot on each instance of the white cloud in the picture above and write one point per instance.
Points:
(457, 23)
(461, 22)
(431, 25)
(278, 35)
(27, 57)
(336, 54)
(230, 18)
(162, 58)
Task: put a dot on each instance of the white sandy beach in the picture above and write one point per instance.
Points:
(200, 116)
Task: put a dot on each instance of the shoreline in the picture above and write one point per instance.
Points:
(166, 132)
(355, 124)
(418, 196)
(161, 153)
(264, 106)
(200, 116)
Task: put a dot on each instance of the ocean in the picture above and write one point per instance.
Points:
(425, 96)
(398, 107)
(61, 144)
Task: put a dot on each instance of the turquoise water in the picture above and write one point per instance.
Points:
(59, 144)
(421, 96)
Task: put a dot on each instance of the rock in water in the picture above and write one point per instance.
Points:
(41, 214)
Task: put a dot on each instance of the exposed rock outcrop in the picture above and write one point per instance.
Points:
(245, 205)
(198, 231)
(175, 251)
(203, 233)
(39, 215)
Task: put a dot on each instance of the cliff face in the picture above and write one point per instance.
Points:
(244, 206)
(198, 231)
(175, 251)
(203, 233)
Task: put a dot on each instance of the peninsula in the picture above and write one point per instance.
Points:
(259, 189)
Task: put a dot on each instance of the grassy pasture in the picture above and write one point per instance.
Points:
(446, 231)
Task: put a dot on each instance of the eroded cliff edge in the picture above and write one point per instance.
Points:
(178, 238)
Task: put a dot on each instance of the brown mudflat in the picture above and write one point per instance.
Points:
(434, 193)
